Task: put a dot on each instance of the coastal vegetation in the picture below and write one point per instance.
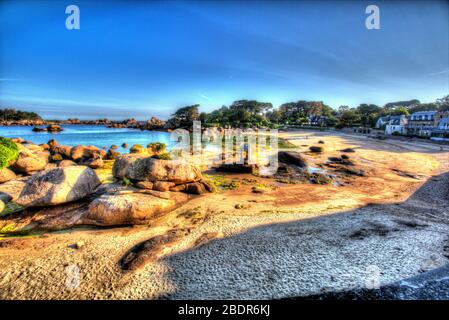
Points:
(8, 152)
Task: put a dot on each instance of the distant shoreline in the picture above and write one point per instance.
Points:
(129, 124)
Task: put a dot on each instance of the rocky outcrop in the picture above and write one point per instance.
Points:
(155, 124)
(59, 185)
(38, 129)
(141, 168)
(54, 128)
(160, 175)
(49, 128)
(134, 208)
(6, 175)
(65, 151)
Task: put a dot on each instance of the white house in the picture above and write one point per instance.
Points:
(396, 124)
(382, 121)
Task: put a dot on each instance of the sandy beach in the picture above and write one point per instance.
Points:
(291, 240)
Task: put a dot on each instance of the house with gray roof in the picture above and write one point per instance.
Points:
(421, 123)
(441, 132)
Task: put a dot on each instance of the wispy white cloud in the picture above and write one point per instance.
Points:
(204, 97)
(437, 73)
(9, 79)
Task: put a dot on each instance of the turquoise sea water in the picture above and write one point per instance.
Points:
(99, 136)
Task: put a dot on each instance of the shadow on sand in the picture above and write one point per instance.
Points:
(317, 257)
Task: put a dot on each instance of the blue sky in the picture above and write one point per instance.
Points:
(147, 58)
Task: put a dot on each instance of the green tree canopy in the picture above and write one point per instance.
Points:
(16, 115)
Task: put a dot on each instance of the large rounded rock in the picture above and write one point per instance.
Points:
(141, 168)
(66, 163)
(34, 147)
(134, 208)
(59, 185)
(94, 163)
(6, 175)
(28, 161)
(66, 151)
(79, 152)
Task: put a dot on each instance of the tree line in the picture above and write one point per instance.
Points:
(16, 115)
(253, 113)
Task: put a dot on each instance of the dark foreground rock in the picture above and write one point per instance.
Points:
(150, 250)
(291, 157)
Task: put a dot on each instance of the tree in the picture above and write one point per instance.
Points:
(424, 107)
(274, 116)
(349, 118)
(398, 111)
(16, 115)
(408, 104)
(368, 114)
(300, 111)
(242, 113)
(184, 117)
(443, 103)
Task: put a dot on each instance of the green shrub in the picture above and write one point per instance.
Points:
(8, 152)
(156, 147)
(136, 148)
(285, 144)
(126, 182)
(222, 182)
(162, 156)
